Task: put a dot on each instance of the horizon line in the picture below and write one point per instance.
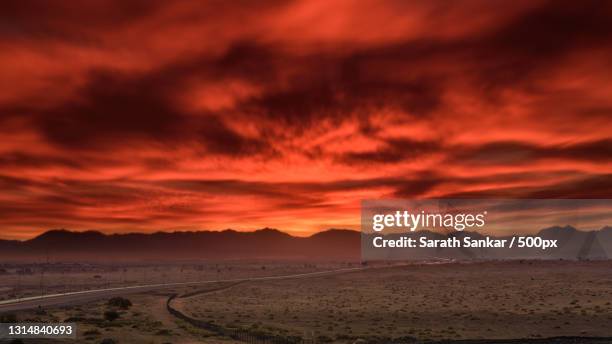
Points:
(105, 233)
(250, 231)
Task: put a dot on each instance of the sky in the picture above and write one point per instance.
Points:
(125, 116)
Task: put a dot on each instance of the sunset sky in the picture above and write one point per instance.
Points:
(155, 115)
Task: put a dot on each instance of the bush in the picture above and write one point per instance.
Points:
(111, 315)
(120, 302)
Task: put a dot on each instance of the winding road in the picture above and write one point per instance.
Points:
(78, 297)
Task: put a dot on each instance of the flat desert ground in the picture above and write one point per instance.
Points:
(475, 300)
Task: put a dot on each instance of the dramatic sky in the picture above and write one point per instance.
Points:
(158, 115)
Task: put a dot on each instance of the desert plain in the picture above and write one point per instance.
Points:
(415, 302)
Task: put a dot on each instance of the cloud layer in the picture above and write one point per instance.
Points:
(148, 115)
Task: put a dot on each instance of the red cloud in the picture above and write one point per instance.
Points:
(151, 115)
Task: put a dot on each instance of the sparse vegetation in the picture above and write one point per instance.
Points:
(422, 301)
(111, 315)
(120, 302)
(529, 300)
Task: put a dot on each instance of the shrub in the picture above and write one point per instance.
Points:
(120, 302)
(111, 315)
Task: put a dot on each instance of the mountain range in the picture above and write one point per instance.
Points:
(62, 245)
(333, 244)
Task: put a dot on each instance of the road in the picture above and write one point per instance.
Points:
(79, 297)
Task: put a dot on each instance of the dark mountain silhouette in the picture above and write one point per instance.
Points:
(228, 244)
(333, 244)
